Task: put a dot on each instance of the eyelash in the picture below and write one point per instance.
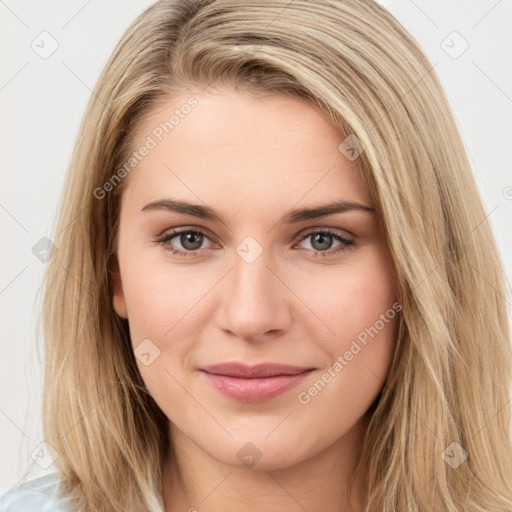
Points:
(346, 243)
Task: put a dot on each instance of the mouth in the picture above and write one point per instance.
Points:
(254, 384)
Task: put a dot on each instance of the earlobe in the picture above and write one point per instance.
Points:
(118, 294)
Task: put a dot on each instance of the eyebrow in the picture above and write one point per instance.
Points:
(290, 217)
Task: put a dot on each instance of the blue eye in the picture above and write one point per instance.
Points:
(324, 238)
(188, 238)
(192, 239)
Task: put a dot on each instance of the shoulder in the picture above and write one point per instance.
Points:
(41, 494)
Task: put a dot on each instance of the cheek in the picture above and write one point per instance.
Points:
(358, 305)
(360, 308)
(161, 302)
(157, 294)
(148, 304)
(352, 297)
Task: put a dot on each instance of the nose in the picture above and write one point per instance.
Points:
(255, 302)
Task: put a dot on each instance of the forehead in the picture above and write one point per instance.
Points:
(267, 150)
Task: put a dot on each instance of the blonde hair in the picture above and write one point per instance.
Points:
(449, 378)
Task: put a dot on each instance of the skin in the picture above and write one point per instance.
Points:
(253, 159)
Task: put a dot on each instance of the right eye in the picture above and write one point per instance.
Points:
(190, 239)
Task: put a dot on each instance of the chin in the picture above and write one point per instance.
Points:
(256, 452)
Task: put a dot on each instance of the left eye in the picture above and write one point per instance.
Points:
(191, 241)
(322, 239)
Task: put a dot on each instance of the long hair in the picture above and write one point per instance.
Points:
(446, 395)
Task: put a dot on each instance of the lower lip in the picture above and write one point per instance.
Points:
(255, 391)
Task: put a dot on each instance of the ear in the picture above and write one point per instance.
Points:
(118, 295)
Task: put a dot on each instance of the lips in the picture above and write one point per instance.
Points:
(252, 372)
(254, 384)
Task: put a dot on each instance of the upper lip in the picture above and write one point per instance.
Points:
(252, 372)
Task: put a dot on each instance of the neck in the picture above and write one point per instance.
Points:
(193, 480)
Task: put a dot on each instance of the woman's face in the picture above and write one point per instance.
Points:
(258, 278)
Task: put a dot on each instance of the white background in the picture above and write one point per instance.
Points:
(42, 102)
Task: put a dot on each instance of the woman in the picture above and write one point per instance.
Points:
(275, 284)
